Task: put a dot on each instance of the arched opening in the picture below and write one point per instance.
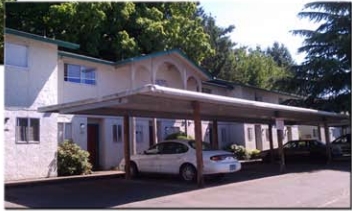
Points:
(192, 84)
(142, 77)
(168, 75)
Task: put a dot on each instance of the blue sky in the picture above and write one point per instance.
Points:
(261, 22)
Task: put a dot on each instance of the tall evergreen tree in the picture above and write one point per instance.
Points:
(325, 75)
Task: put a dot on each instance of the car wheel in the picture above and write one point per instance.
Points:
(188, 172)
(133, 170)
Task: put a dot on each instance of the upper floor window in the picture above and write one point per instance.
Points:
(79, 74)
(258, 98)
(16, 55)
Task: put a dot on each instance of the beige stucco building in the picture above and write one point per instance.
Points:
(38, 74)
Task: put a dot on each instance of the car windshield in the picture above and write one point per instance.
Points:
(205, 146)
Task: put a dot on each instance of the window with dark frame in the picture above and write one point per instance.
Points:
(79, 74)
(27, 130)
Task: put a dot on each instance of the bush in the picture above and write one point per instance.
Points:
(178, 135)
(72, 160)
(240, 152)
(255, 154)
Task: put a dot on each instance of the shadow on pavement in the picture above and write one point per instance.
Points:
(110, 192)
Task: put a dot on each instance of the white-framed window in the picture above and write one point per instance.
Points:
(16, 55)
(80, 74)
(250, 134)
(64, 131)
(117, 133)
(27, 130)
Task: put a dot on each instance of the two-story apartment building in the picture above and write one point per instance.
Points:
(38, 74)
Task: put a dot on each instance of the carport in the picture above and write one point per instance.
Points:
(162, 102)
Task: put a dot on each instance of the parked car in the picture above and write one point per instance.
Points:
(341, 146)
(298, 150)
(179, 157)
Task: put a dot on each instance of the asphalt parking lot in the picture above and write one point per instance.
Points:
(257, 185)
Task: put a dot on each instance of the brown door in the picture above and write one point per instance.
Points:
(93, 145)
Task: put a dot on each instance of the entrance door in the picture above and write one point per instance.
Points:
(258, 137)
(93, 145)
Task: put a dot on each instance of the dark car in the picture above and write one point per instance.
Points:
(341, 147)
(299, 150)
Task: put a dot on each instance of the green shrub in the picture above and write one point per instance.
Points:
(72, 160)
(254, 154)
(241, 152)
(178, 135)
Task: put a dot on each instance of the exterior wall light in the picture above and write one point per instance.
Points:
(82, 127)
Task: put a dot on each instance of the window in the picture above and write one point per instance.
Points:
(16, 55)
(27, 130)
(206, 90)
(267, 134)
(161, 82)
(223, 135)
(117, 133)
(173, 148)
(79, 74)
(64, 131)
(258, 98)
(315, 133)
(139, 133)
(250, 133)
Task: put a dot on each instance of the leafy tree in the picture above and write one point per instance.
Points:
(325, 75)
(254, 67)
(117, 30)
(2, 31)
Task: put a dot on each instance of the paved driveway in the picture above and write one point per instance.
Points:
(257, 185)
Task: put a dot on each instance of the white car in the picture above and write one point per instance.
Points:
(179, 157)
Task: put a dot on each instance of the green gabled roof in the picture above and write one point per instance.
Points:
(42, 39)
(85, 58)
(161, 53)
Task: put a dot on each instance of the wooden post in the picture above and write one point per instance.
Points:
(271, 143)
(215, 140)
(280, 137)
(133, 135)
(198, 136)
(126, 141)
(327, 142)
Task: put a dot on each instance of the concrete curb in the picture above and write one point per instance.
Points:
(55, 180)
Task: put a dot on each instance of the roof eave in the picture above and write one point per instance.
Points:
(42, 39)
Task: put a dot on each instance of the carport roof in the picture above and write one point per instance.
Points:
(163, 102)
